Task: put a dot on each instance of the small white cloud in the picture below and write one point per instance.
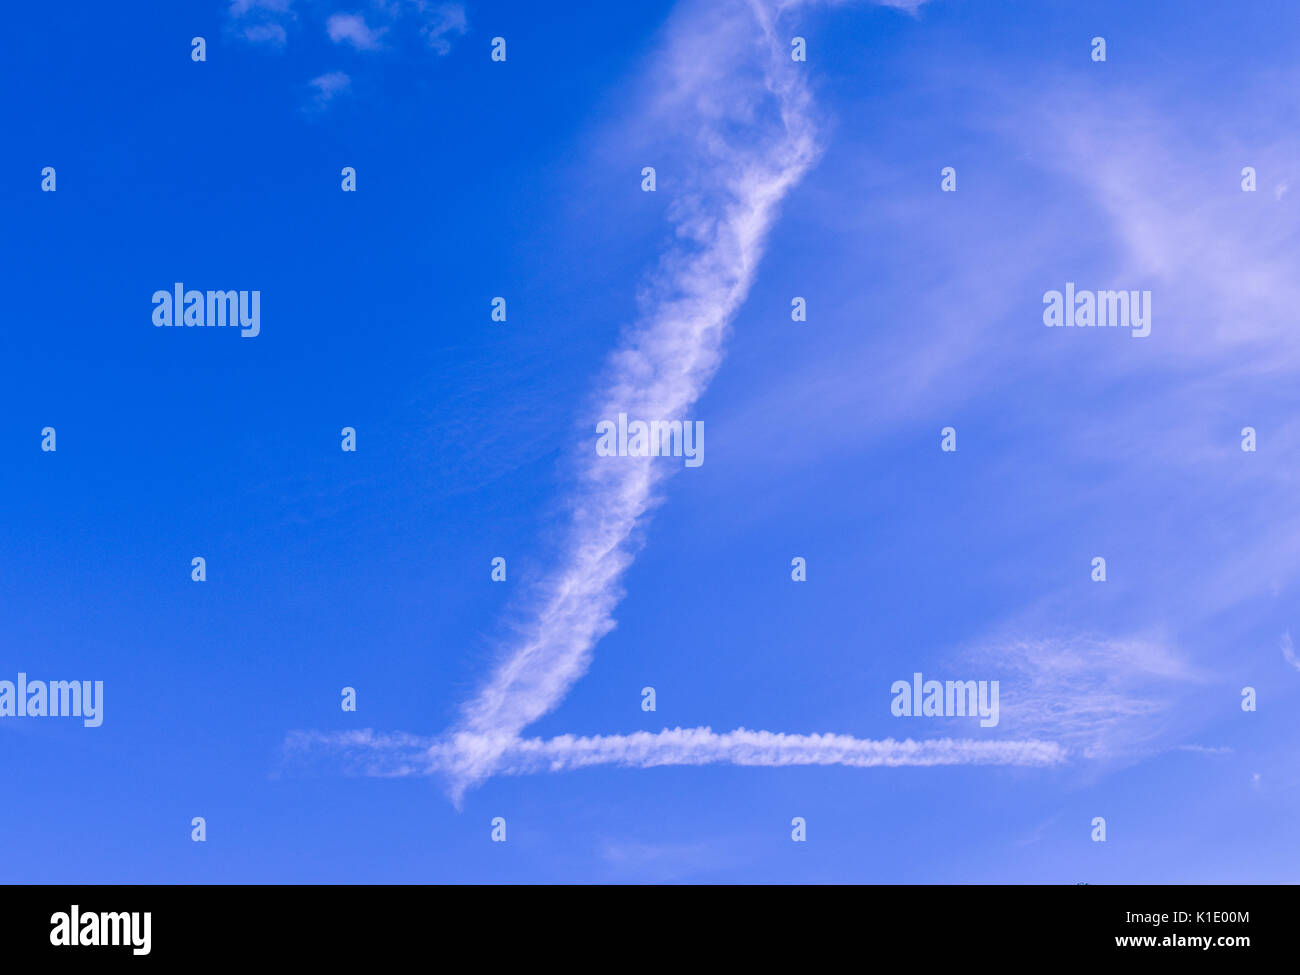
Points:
(328, 86)
(265, 34)
(262, 21)
(444, 22)
(1279, 191)
(266, 22)
(352, 29)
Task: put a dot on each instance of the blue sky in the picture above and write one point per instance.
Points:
(475, 439)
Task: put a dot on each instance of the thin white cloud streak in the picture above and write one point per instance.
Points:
(1288, 651)
(400, 755)
(1101, 697)
(663, 365)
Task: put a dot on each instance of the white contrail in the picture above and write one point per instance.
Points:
(404, 755)
(663, 366)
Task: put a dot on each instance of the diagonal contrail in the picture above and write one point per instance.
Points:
(741, 172)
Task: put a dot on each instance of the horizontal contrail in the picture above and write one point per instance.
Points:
(399, 755)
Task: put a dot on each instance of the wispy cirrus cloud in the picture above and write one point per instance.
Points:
(1220, 257)
(1288, 651)
(1165, 201)
(1101, 697)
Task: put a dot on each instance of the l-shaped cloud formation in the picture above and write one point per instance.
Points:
(748, 123)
